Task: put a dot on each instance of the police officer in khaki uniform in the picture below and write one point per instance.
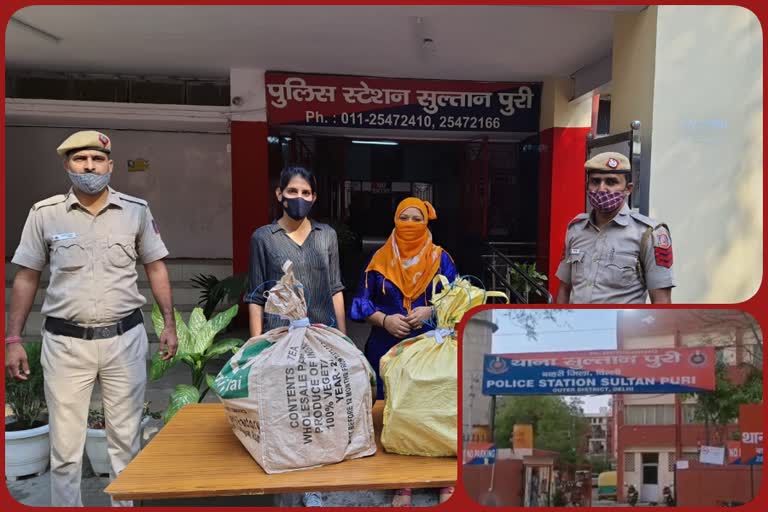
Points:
(92, 238)
(614, 255)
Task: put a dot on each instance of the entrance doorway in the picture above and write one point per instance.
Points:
(649, 489)
(479, 190)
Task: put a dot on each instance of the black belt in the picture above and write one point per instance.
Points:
(73, 330)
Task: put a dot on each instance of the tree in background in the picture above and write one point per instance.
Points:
(720, 407)
(558, 425)
(739, 380)
(529, 319)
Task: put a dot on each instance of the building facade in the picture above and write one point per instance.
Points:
(652, 432)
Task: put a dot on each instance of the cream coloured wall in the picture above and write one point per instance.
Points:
(693, 76)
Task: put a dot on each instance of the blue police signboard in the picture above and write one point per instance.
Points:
(601, 372)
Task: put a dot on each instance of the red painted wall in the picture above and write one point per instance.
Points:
(561, 193)
(250, 187)
(705, 485)
(664, 435)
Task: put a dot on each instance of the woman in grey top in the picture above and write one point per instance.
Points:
(314, 250)
(311, 246)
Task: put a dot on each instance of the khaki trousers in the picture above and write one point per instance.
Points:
(71, 367)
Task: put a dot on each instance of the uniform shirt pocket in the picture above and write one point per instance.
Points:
(68, 256)
(121, 250)
(622, 271)
(576, 261)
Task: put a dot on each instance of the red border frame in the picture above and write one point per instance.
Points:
(752, 307)
(756, 306)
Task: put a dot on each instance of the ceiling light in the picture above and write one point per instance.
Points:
(376, 142)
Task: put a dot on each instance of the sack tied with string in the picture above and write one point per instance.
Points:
(301, 396)
(420, 377)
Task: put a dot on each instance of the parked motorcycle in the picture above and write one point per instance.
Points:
(632, 495)
(668, 497)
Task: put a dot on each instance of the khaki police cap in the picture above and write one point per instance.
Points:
(608, 162)
(88, 139)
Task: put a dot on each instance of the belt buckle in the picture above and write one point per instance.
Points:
(104, 332)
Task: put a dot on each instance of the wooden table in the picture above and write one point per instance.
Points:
(197, 455)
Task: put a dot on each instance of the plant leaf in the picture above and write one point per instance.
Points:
(183, 335)
(158, 366)
(27, 397)
(230, 288)
(205, 282)
(197, 321)
(223, 346)
(182, 395)
(157, 320)
(209, 378)
(182, 331)
(220, 321)
(204, 337)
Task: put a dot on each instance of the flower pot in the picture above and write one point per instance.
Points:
(27, 452)
(96, 448)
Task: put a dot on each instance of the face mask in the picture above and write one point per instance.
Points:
(296, 207)
(89, 182)
(605, 201)
(410, 231)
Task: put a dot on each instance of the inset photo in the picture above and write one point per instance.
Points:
(612, 407)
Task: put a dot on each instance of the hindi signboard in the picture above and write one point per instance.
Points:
(659, 370)
(751, 428)
(340, 101)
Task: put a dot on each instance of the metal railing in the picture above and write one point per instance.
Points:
(502, 260)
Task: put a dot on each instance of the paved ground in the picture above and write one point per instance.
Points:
(611, 503)
(35, 491)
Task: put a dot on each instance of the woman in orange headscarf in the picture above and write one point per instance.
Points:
(395, 291)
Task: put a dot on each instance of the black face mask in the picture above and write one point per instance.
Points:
(296, 207)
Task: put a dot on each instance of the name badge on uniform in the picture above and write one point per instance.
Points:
(63, 236)
(575, 251)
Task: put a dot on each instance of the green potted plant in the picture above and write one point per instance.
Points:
(27, 445)
(214, 291)
(522, 285)
(96, 437)
(196, 348)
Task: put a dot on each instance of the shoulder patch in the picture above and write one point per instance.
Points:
(580, 217)
(131, 199)
(59, 198)
(639, 217)
(662, 246)
(661, 237)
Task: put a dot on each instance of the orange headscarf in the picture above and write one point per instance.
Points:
(409, 259)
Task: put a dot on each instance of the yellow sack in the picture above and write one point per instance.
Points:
(420, 378)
